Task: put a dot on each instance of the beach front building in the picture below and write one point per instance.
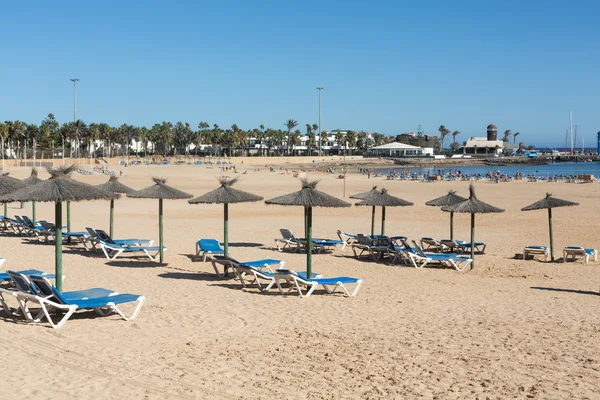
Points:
(329, 146)
(489, 145)
(398, 150)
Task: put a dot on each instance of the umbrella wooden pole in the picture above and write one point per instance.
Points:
(451, 225)
(68, 217)
(226, 228)
(58, 245)
(551, 238)
(382, 221)
(473, 240)
(5, 210)
(305, 223)
(160, 228)
(373, 222)
(309, 243)
(112, 214)
(33, 213)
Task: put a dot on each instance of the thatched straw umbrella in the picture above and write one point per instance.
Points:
(472, 206)
(225, 195)
(308, 198)
(382, 199)
(160, 190)
(33, 180)
(362, 196)
(549, 202)
(57, 189)
(8, 184)
(450, 199)
(114, 186)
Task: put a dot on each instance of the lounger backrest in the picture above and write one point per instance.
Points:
(210, 245)
(21, 282)
(364, 240)
(28, 222)
(406, 245)
(104, 236)
(384, 241)
(419, 249)
(287, 234)
(48, 226)
(92, 232)
(287, 272)
(46, 287)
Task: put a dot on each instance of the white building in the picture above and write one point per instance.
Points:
(397, 150)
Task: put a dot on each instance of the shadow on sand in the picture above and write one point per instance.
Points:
(589, 292)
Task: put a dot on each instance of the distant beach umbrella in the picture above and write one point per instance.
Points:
(57, 189)
(473, 206)
(362, 196)
(32, 180)
(114, 186)
(549, 202)
(161, 191)
(382, 199)
(450, 199)
(8, 184)
(308, 197)
(225, 195)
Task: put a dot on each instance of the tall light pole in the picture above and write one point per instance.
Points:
(75, 80)
(319, 89)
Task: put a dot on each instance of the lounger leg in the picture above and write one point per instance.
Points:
(140, 302)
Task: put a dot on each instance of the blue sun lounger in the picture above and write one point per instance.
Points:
(113, 250)
(9, 286)
(575, 251)
(231, 263)
(243, 270)
(296, 281)
(51, 299)
(208, 246)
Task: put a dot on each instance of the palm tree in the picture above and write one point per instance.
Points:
(351, 140)
(3, 137)
(506, 136)
(290, 124)
(454, 143)
(323, 139)
(339, 138)
(515, 137)
(443, 133)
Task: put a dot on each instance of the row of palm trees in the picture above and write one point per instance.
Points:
(444, 132)
(78, 139)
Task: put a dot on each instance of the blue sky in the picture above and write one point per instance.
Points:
(386, 66)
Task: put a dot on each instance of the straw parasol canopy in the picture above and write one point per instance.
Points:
(549, 203)
(114, 186)
(33, 180)
(308, 197)
(362, 196)
(473, 206)
(225, 195)
(9, 184)
(160, 190)
(383, 199)
(57, 189)
(449, 199)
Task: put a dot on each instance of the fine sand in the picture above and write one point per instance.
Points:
(508, 329)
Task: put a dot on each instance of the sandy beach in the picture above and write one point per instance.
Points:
(508, 329)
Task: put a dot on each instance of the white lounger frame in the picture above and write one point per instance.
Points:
(297, 282)
(112, 252)
(579, 252)
(48, 306)
(536, 251)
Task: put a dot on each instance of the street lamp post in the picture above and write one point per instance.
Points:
(319, 89)
(74, 80)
